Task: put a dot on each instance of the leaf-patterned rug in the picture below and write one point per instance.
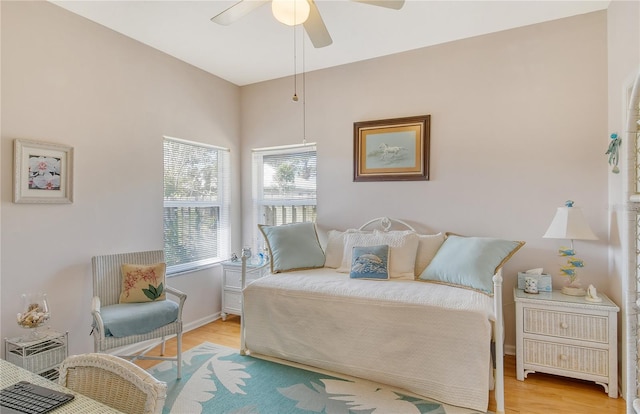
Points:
(217, 379)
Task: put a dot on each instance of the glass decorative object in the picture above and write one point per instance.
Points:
(35, 313)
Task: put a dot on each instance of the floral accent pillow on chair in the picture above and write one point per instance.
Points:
(143, 283)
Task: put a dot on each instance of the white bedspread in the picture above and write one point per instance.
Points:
(430, 339)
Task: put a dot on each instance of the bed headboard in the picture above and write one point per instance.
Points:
(385, 223)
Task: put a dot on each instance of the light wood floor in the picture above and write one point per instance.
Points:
(538, 394)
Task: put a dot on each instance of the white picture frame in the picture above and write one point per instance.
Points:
(43, 172)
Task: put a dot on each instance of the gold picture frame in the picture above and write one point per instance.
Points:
(392, 149)
(43, 172)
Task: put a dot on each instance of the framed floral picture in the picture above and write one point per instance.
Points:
(391, 149)
(43, 172)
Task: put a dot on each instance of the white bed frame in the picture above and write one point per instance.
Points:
(386, 223)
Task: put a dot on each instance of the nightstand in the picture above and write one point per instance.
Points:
(232, 284)
(566, 335)
(41, 355)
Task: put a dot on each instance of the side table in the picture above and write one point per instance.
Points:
(232, 284)
(567, 335)
(42, 355)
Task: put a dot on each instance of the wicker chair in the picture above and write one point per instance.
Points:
(113, 381)
(107, 284)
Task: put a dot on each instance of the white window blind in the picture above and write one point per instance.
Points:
(284, 185)
(196, 204)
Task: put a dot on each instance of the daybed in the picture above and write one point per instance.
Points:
(433, 339)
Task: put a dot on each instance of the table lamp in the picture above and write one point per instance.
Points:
(569, 223)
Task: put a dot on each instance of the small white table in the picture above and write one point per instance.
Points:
(567, 335)
(41, 355)
(232, 284)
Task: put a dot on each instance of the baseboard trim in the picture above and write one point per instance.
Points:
(509, 349)
(200, 322)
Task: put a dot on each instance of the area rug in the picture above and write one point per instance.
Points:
(217, 379)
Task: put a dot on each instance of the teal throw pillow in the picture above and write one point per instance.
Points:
(470, 262)
(293, 247)
(370, 262)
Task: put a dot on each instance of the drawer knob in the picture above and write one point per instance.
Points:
(564, 325)
(564, 357)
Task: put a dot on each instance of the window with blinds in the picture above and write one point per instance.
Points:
(284, 185)
(196, 204)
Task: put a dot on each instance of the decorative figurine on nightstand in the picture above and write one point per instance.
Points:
(592, 295)
(234, 257)
(613, 150)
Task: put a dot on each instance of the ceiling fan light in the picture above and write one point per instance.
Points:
(290, 12)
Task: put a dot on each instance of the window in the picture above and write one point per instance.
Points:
(284, 185)
(196, 204)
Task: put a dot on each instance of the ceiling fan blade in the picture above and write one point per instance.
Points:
(390, 4)
(315, 27)
(237, 11)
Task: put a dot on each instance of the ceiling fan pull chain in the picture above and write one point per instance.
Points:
(304, 98)
(295, 64)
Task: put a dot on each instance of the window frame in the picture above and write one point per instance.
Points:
(223, 203)
(259, 202)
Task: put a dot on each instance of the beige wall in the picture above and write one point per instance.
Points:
(68, 80)
(518, 120)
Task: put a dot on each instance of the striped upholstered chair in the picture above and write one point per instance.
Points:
(119, 324)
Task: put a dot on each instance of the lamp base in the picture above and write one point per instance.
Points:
(573, 291)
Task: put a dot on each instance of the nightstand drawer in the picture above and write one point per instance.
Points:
(592, 328)
(566, 357)
(232, 301)
(233, 279)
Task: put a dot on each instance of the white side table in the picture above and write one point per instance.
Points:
(232, 284)
(42, 355)
(566, 335)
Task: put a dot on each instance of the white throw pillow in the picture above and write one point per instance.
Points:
(427, 249)
(333, 251)
(335, 246)
(403, 248)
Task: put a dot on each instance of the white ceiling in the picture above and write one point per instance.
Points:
(258, 48)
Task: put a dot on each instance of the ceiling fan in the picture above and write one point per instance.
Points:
(293, 12)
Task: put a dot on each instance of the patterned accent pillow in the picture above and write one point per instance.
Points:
(370, 262)
(143, 283)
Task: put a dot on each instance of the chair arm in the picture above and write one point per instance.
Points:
(95, 304)
(180, 295)
(97, 318)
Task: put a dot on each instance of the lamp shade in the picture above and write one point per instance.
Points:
(290, 12)
(569, 223)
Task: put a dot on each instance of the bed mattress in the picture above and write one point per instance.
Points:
(430, 339)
